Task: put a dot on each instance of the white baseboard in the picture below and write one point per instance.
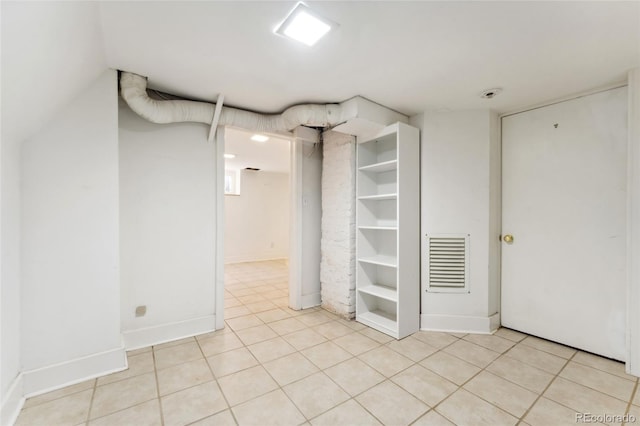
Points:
(144, 337)
(494, 322)
(77, 370)
(460, 323)
(13, 402)
(310, 300)
(255, 257)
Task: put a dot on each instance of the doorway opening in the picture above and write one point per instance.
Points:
(257, 171)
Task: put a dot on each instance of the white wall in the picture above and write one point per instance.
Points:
(167, 232)
(460, 190)
(41, 72)
(495, 212)
(70, 286)
(9, 275)
(257, 221)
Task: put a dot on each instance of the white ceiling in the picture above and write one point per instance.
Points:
(409, 56)
(270, 156)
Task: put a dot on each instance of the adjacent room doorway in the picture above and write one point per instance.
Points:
(256, 223)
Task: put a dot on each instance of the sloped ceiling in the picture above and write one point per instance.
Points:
(409, 56)
(51, 51)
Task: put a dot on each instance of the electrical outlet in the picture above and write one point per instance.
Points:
(141, 310)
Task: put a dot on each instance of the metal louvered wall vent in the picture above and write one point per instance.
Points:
(447, 260)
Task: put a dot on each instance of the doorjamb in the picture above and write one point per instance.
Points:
(295, 226)
(633, 224)
(295, 223)
(297, 300)
(219, 227)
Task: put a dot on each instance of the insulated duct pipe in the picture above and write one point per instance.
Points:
(134, 92)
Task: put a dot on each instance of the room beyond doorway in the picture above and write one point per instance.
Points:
(257, 208)
(260, 288)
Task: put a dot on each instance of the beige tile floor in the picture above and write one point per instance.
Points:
(275, 366)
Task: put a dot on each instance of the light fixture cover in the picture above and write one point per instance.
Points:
(304, 25)
(259, 138)
(229, 156)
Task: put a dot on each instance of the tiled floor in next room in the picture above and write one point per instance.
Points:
(272, 365)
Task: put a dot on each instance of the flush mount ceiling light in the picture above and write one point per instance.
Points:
(259, 138)
(229, 156)
(304, 25)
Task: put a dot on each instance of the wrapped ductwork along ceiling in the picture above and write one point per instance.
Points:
(134, 92)
(356, 116)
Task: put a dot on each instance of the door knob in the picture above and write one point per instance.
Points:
(508, 238)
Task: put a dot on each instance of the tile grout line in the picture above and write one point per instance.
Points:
(630, 403)
(122, 409)
(597, 390)
(215, 379)
(261, 364)
(299, 351)
(433, 408)
(93, 395)
(541, 394)
(485, 369)
(155, 373)
(333, 317)
(320, 370)
(59, 397)
(461, 387)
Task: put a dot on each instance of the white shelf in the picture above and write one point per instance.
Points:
(384, 166)
(380, 259)
(379, 228)
(388, 222)
(379, 197)
(381, 319)
(384, 292)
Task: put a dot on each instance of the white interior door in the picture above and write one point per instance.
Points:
(564, 203)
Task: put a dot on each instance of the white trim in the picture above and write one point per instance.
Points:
(299, 245)
(148, 336)
(310, 300)
(77, 370)
(295, 225)
(219, 229)
(459, 323)
(564, 98)
(633, 224)
(253, 258)
(13, 402)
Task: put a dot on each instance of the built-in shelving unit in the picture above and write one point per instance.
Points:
(388, 241)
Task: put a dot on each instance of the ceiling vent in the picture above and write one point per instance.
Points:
(447, 260)
(491, 93)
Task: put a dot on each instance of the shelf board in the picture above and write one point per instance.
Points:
(380, 225)
(383, 166)
(380, 228)
(381, 291)
(379, 318)
(378, 197)
(380, 259)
